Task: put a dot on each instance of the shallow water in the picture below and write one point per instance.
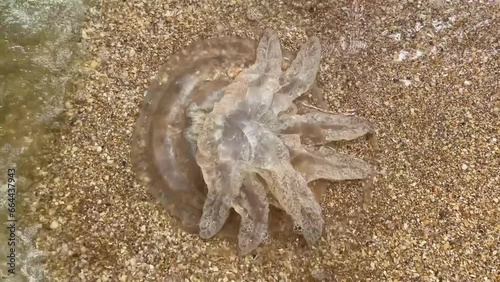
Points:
(38, 45)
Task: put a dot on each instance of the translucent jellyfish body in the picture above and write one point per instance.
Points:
(222, 144)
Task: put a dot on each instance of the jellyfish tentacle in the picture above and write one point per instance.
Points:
(295, 197)
(321, 128)
(324, 163)
(299, 77)
(222, 154)
(253, 207)
(287, 186)
(331, 166)
(268, 59)
(262, 78)
(215, 213)
(302, 72)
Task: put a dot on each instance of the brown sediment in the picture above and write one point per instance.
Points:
(426, 73)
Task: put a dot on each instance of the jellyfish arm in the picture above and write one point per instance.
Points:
(272, 163)
(299, 77)
(321, 128)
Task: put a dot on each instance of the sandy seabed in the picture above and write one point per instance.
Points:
(424, 72)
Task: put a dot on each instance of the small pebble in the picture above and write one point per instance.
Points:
(94, 64)
(54, 225)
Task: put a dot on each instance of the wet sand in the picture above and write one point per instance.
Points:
(424, 72)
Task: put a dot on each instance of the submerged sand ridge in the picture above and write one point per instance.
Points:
(425, 74)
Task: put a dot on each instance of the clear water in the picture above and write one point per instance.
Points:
(38, 46)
